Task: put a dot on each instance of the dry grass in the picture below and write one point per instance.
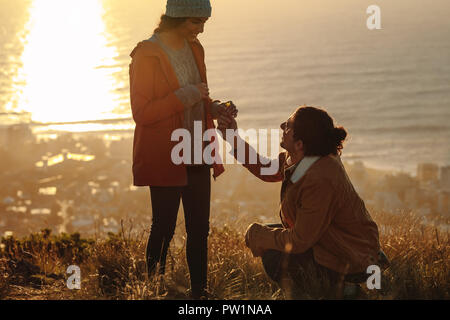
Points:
(114, 268)
(4, 279)
(420, 258)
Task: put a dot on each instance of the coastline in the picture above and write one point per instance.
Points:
(83, 182)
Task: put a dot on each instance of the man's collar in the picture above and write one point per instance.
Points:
(292, 167)
(300, 168)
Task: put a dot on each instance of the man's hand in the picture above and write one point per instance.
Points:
(253, 241)
(226, 119)
(230, 108)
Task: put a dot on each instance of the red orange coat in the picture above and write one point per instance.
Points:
(157, 112)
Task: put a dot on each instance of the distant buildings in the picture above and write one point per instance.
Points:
(3, 136)
(411, 198)
(388, 201)
(19, 134)
(437, 184)
(359, 176)
(426, 193)
(121, 149)
(63, 158)
(427, 172)
(70, 185)
(445, 177)
(15, 135)
(444, 203)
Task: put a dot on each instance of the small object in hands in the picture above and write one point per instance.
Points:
(230, 110)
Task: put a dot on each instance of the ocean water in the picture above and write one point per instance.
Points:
(66, 61)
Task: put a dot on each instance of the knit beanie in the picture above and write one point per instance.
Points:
(188, 8)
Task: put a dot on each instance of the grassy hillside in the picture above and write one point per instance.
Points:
(114, 268)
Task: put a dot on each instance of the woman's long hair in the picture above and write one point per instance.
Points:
(315, 128)
(167, 23)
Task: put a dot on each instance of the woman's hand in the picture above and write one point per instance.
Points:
(204, 90)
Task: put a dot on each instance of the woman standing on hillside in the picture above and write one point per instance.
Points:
(169, 91)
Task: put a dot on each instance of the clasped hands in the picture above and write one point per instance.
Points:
(227, 111)
(256, 233)
(226, 119)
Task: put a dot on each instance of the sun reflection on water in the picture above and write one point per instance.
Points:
(68, 66)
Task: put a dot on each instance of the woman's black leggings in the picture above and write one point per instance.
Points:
(196, 198)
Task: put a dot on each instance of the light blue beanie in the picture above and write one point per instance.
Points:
(188, 8)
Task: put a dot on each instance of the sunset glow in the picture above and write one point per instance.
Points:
(67, 65)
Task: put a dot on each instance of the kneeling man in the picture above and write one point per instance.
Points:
(326, 234)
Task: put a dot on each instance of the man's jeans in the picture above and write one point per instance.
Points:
(299, 274)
